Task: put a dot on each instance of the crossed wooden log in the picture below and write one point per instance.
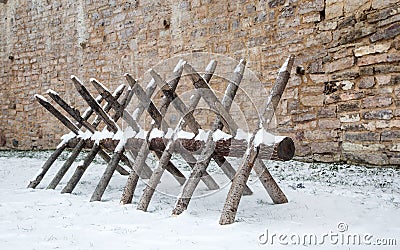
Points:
(131, 146)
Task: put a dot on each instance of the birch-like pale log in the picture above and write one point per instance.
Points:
(236, 190)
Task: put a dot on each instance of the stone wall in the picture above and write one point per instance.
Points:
(342, 102)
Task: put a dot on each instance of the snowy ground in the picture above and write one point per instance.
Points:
(321, 196)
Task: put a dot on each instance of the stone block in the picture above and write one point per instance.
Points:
(351, 6)
(380, 4)
(339, 64)
(362, 137)
(320, 135)
(367, 158)
(366, 82)
(350, 118)
(313, 101)
(329, 123)
(327, 112)
(348, 106)
(391, 135)
(372, 49)
(378, 115)
(348, 146)
(324, 147)
(376, 102)
(386, 33)
(304, 118)
(334, 10)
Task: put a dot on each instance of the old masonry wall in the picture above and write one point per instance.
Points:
(344, 105)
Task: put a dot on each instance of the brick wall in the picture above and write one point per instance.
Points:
(343, 106)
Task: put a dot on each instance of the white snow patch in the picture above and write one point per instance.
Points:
(142, 134)
(120, 87)
(320, 197)
(263, 137)
(242, 135)
(135, 114)
(156, 133)
(202, 135)
(123, 137)
(65, 138)
(239, 66)
(41, 97)
(99, 83)
(220, 135)
(169, 134)
(50, 91)
(184, 135)
(85, 135)
(284, 66)
(210, 65)
(179, 65)
(101, 135)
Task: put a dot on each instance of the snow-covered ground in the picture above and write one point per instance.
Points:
(324, 200)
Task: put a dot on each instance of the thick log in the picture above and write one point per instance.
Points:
(236, 190)
(282, 150)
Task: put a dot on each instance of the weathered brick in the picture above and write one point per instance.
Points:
(377, 114)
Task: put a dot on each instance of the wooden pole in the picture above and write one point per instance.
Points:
(235, 192)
